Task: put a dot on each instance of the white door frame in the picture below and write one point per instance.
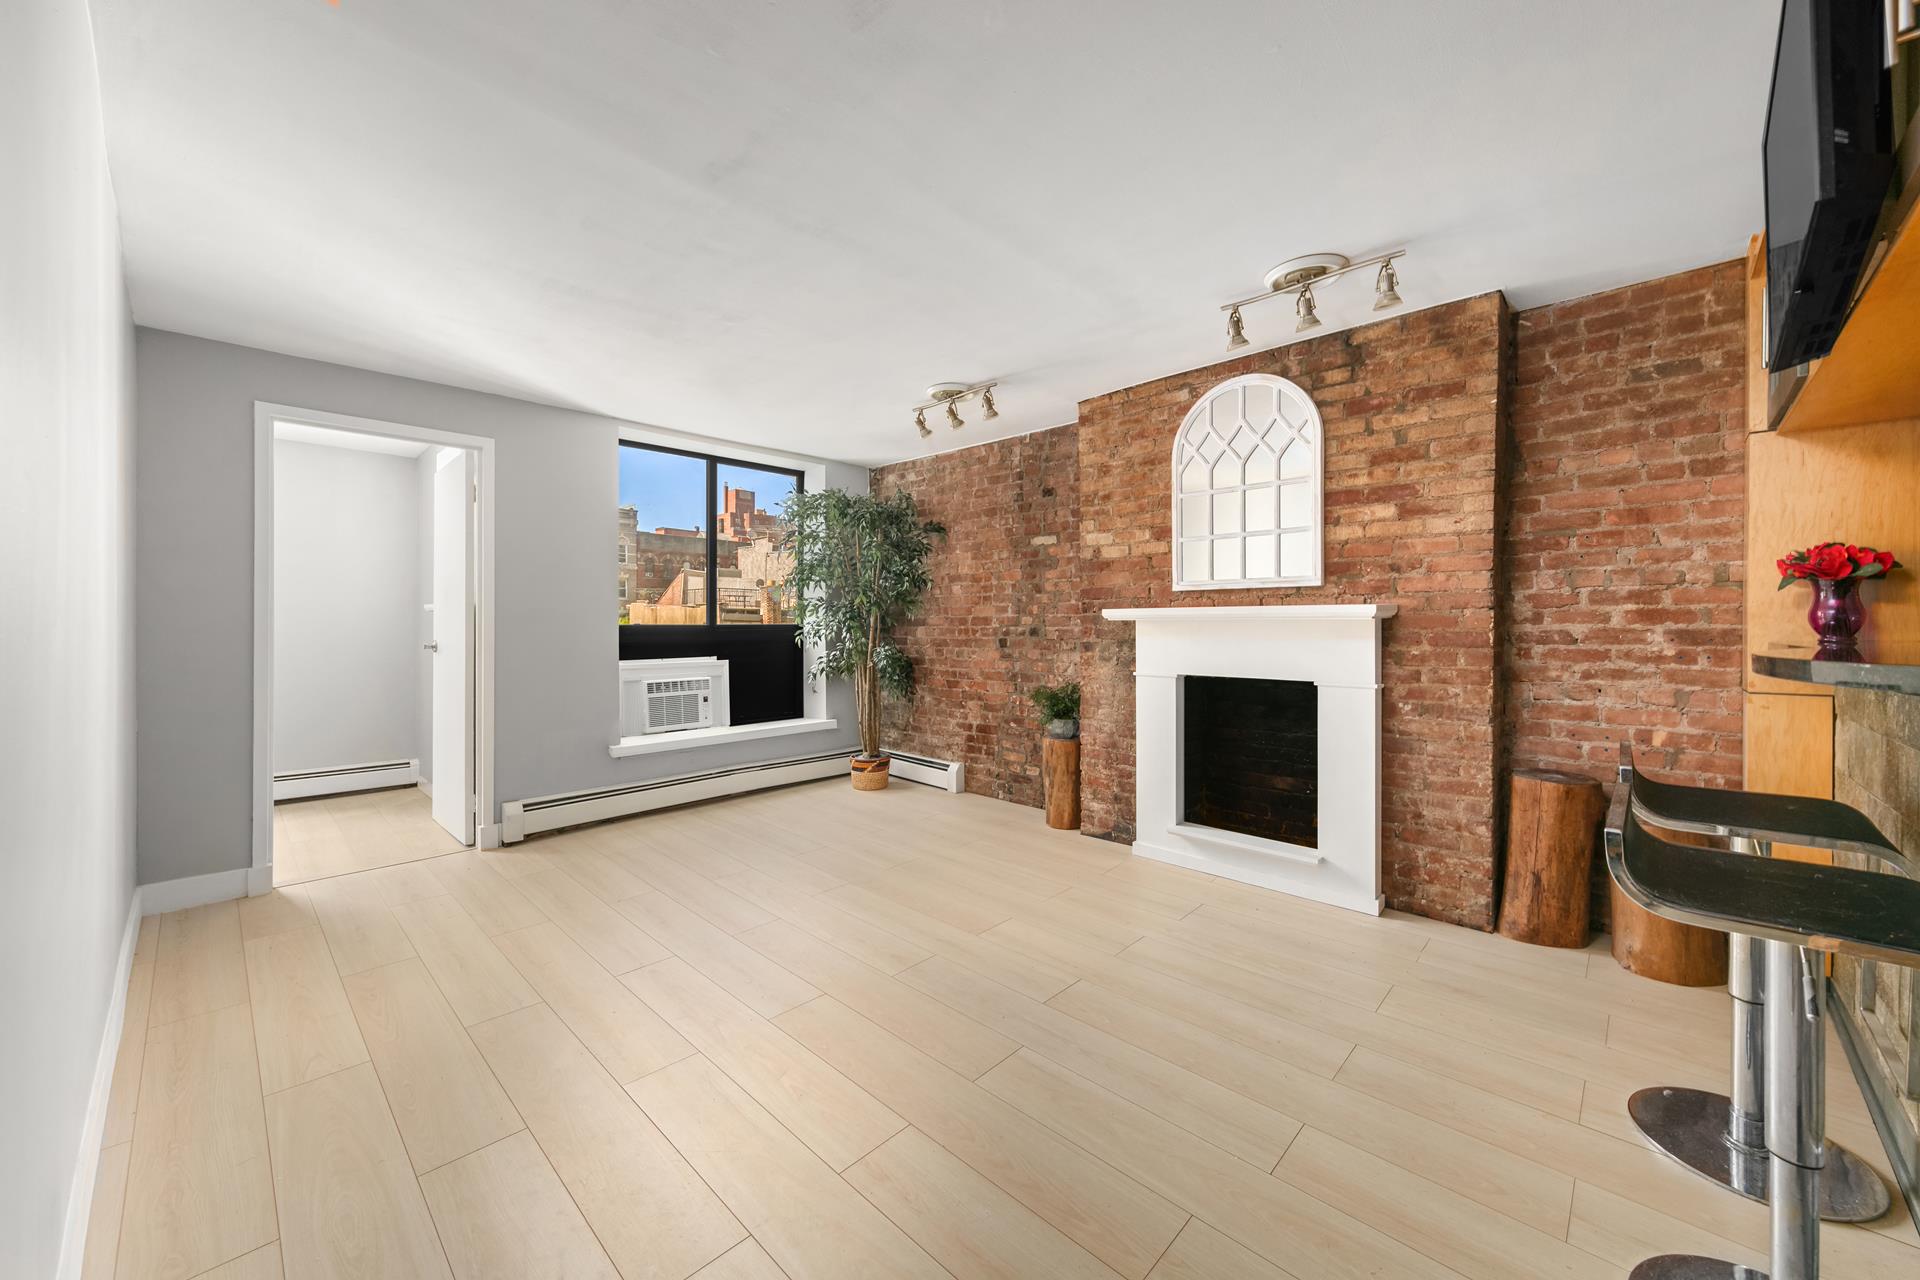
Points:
(260, 877)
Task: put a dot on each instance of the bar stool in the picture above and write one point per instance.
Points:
(1799, 911)
(1722, 1136)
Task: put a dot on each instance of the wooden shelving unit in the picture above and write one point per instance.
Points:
(1873, 372)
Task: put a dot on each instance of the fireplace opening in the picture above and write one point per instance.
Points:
(1250, 757)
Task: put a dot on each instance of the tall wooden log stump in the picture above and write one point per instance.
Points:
(1060, 776)
(1553, 821)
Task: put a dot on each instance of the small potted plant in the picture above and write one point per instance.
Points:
(1060, 753)
(1836, 570)
(1060, 707)
(859, 571)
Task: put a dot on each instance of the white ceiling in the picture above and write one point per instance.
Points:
(777, 222)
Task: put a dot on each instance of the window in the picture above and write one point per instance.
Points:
(1247, 466)
(700, 539)
(702, 573)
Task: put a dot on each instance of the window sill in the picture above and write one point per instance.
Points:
(686, 739)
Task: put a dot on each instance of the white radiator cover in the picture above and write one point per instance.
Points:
(636, 675)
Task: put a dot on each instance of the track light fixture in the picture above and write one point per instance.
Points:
(948, 395)
(1236, 331)
(1300, 276)
(1303, 307)
(1386, 288)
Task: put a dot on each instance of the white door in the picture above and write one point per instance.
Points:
(453, 643)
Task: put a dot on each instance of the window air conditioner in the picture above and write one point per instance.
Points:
(684, 703)
(671, 695)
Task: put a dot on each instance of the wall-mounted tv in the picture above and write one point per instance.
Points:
(1829, 157)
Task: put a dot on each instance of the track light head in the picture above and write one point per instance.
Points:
(1386, 288)
(953, 417)
(988, 410)
(1303, 307)
(1236, 331)
(920, 423)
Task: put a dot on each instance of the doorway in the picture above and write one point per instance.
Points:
(372, 613)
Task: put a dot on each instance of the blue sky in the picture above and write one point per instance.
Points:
(669, 490)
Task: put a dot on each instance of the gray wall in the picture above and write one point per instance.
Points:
(66, 618)
(556, 654)
(346, 606)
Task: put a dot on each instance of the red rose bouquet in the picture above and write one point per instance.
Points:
(1835, 562)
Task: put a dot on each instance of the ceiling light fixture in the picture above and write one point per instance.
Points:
(1300, 276)
(1236, 331)
(948, 395)
(1303, 307)
(1386, 288)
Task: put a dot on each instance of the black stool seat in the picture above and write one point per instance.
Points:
(1757, 815)
(1804, 904)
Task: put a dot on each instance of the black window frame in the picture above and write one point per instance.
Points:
(714, 462)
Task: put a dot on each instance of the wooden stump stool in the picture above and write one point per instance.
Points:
(1060, 776)
(1552, 821)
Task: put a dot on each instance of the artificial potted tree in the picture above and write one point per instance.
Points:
(859, 571)
(1060, 753)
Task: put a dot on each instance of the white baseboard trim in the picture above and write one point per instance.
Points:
(86, 1168)
(299, 784)
(522, 818)
(197, 891)
(948, 775)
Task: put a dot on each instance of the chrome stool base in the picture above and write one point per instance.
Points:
(1690, 1127)
(1691, 1266)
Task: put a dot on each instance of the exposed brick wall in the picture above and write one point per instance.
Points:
(1412, 422)
(1554, 500)
(1626, 537)
(1004, 613)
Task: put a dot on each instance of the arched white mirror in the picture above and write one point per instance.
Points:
(1247, 477)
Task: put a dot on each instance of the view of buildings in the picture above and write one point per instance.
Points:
(663, 571)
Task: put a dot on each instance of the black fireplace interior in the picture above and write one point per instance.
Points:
(1252, 758)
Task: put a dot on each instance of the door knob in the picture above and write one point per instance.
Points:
(431, 646)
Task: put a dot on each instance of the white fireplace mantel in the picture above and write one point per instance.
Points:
(1256, 613)
(1336, 647)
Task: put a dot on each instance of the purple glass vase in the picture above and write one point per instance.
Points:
(1836, 617)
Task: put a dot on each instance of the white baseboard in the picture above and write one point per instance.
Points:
(339, 781)
(948, 775)
(197, 891)
(522, 818)
(86, 1168)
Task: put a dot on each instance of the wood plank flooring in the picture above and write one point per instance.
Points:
(818, 1033)
(338, 835)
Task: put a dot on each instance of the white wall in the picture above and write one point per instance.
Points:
(557, 650)
(66, 620)
(347, 599)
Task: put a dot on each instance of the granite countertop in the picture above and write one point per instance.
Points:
(1804, 664)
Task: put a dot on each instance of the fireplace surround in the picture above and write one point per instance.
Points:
(1192, 661)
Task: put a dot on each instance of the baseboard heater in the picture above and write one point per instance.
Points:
(522, 818)
(299, 783)
(948, 775)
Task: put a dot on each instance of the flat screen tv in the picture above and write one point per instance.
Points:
(1829, 157)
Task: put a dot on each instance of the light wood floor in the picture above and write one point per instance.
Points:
(814, 1033)
(337, 835)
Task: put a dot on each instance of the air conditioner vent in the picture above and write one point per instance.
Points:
(670, 695)
(678, 704)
